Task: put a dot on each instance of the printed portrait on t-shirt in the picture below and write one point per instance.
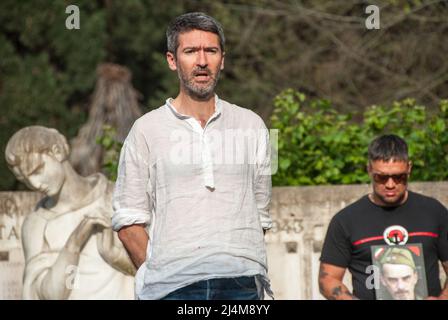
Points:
(401, 271)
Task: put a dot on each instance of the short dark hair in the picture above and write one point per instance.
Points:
(192, 21)
(388, 147)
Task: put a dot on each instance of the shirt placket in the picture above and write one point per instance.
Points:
(206, 156)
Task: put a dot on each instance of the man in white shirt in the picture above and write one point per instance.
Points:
(193, 189)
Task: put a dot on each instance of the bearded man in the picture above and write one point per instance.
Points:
(191, 199)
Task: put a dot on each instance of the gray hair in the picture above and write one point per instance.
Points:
(192, 21)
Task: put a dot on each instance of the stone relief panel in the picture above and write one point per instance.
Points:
(14, 206)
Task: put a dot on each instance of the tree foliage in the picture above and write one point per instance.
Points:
(112, 148)
(319, 145)
(321, 48)
(47, 72)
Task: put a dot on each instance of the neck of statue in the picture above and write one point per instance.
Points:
(74, 193)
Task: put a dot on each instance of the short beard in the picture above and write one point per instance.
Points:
(391, 204)
(198, 93)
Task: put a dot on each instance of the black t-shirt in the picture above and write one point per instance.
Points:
(354, 229)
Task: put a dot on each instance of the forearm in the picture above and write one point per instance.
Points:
(61, 277)
(444, 294)
(59, 281)
(135, 240)
(330, 283)
(334, 289)
(113, 252)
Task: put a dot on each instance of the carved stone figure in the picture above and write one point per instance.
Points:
(70, 249)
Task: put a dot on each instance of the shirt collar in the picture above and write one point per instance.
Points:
(218, 109)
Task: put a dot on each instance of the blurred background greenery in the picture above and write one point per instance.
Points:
(319, 145)
(337, 68)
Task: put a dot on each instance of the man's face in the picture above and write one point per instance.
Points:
(389, 180)
(399, 280)
(198, 62)
(46, 176)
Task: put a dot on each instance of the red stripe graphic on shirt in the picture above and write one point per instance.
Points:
(357, 243)
(423, 234)
(412, 234)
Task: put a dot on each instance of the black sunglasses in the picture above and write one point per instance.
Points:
(400, 178)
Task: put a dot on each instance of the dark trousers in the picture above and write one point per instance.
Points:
(240, 288)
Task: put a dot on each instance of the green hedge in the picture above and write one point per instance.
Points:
(318, 145)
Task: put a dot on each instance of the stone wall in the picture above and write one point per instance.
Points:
(301, 216)
(14, 206)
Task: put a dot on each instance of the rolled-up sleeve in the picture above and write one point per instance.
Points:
(132, 202)
(263, 181)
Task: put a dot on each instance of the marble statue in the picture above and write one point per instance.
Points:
(70, 249)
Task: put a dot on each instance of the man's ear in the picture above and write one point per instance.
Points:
(171, 59)
(409, 167)
(57, 153)
(222, 61)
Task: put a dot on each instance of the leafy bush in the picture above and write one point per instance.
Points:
(318, 145)
(111, 154)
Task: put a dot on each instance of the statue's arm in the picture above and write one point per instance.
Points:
(36, 263)
(113, 252)
(32, 236)
(110, 247)
(56, 283)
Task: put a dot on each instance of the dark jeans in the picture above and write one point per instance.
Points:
(241, 288)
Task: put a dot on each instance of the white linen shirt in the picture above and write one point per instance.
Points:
(204, 193)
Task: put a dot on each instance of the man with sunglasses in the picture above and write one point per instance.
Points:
(390, 215)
